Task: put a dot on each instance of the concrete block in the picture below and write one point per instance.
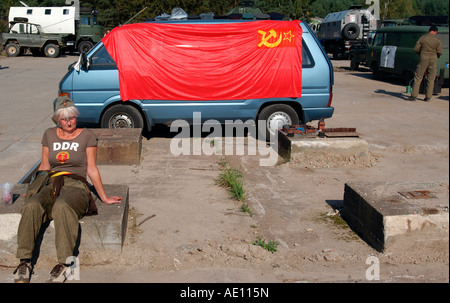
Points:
(324, 152)
(108, 228)
(105, 230)
(118, 146)
(384, 213)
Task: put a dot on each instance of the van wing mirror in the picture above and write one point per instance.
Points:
(82, 63)
(83, 60)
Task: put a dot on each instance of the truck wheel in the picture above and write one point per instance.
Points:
(12, 49)
(354, 64)
(408, 77)
(51, 50)
(376, 73)
(122, 116)
(277, 116)
(351, 31)
(336, 52)
(85, 46)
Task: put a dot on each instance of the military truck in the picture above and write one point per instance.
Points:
(23, 35)
(392, 52)
(358, 52)
(339, 31)
(77, 26)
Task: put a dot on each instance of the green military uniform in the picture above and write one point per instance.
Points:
(429, 47)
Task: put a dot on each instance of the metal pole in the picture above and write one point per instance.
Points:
(136, 15)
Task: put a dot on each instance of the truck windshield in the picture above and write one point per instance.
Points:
(88, 20)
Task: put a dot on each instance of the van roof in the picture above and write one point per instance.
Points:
(411, 28)
(207, 21)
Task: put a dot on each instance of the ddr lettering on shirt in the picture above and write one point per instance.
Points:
(68, 155)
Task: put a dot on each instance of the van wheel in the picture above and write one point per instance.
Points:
(51, 51)
(122, 116)
(277, 116)
(12, 50)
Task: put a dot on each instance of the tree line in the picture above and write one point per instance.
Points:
(114, 12)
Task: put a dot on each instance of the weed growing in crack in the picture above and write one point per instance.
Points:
(270, 246)
(233, 179)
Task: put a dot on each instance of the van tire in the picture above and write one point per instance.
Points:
(277, 114)
(351, 31)
(122, 116)
(51, 50)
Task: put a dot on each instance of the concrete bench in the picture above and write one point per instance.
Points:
(105, 230)
(326, 151)
(118, 146)
(392, 216)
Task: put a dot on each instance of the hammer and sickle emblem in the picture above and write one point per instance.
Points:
(265, 38)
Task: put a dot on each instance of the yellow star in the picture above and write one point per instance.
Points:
(288, 36)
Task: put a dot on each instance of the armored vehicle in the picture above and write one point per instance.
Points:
(340, 30)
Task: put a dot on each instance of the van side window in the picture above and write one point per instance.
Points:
(101, 60)
(409, 39)
(307, 59)
(392, 39)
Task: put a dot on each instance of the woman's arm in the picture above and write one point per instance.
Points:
(94, 175)
(45, 165)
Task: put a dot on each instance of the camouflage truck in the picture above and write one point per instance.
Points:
(23, 35)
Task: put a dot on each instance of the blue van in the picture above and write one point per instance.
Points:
(94, 88)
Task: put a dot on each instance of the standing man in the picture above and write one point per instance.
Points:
(429, 47)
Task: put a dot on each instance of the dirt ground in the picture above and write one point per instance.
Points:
(200, 234)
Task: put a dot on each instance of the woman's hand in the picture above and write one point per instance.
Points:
(112, 200)
(94, 175)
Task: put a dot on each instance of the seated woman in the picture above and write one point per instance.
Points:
(60, 191)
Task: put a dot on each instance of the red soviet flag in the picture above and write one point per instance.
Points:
(228, 61)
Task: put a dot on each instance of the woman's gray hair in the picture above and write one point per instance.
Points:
(65, 113)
